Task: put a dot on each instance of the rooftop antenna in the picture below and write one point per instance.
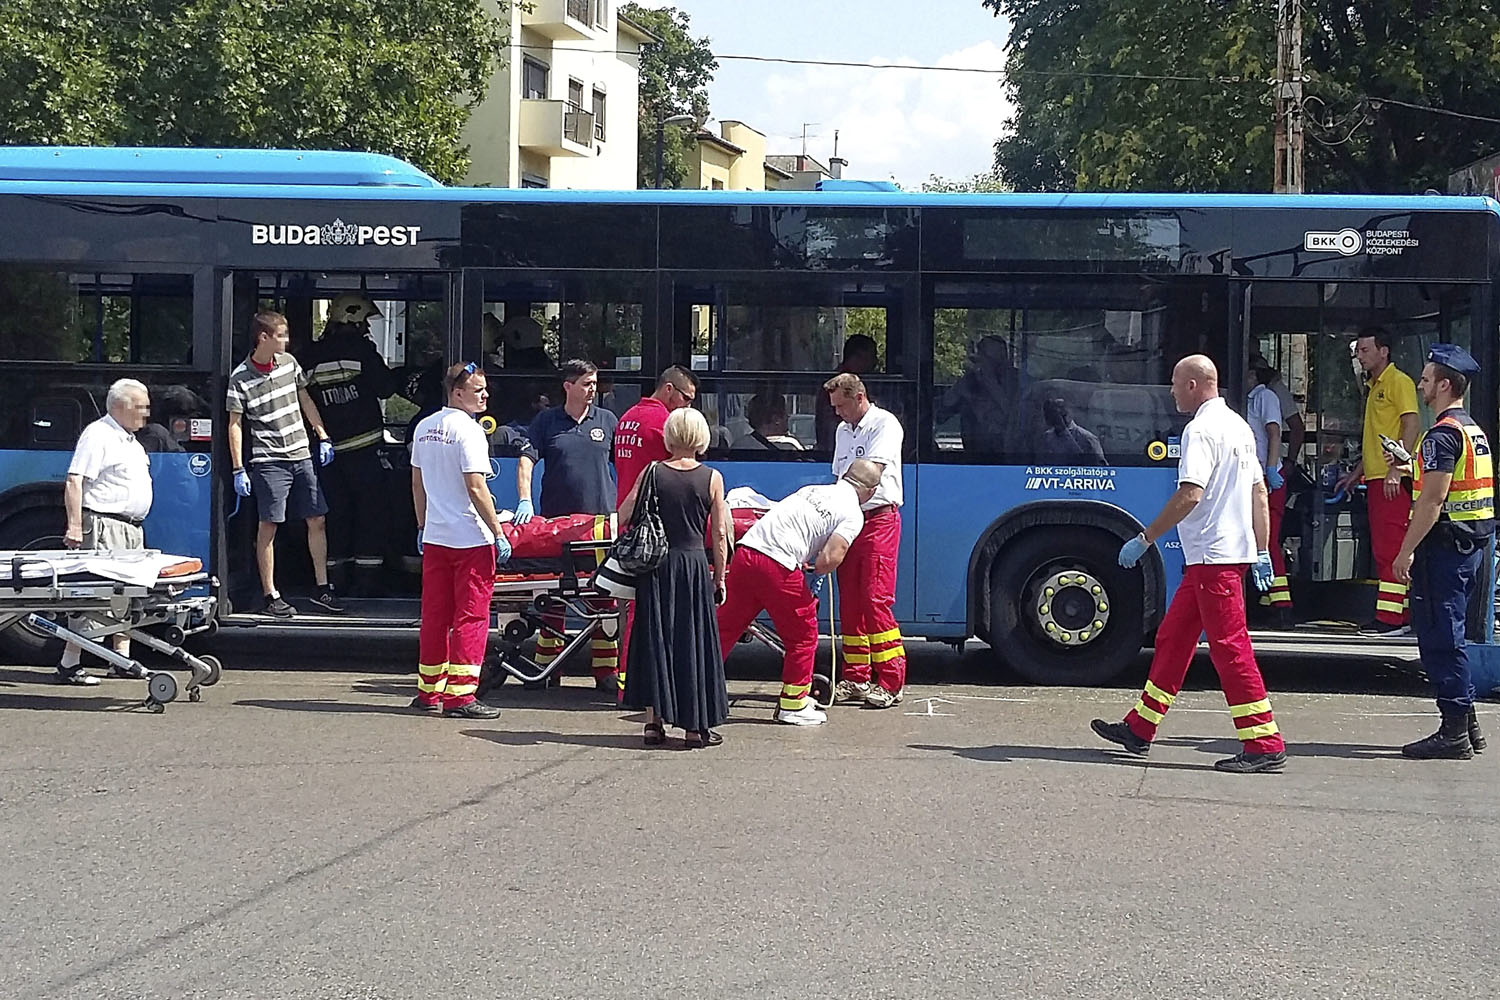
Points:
(805, 135)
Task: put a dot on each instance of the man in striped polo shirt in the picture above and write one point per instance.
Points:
(268, 394)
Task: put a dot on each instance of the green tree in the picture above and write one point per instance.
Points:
(1096, 112)
(389, 76)
(675, 74)
(985, 183)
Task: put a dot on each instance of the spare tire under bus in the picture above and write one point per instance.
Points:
(1062, 610)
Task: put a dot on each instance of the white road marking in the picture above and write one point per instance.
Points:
(930, 713)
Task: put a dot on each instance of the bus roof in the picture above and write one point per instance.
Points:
(334, 176)
(97, 165)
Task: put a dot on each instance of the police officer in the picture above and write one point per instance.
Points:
(1442, 555)
(574, 441)
(348, 378)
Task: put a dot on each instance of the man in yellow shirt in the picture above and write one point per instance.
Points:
(1390, 409)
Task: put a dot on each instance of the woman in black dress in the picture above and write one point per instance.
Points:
(674, 670)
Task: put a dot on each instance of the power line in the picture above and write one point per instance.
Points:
(1375, 103)
(918, 67)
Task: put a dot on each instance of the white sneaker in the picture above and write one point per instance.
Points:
(77, 676)
(807, 715)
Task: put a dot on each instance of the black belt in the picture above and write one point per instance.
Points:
(134, 522)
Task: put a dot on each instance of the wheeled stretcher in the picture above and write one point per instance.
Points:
(87, 597)
(549, 577)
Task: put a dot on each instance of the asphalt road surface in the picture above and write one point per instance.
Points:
(300, 834)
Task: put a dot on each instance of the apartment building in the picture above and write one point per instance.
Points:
(732, 159)
(562, 111)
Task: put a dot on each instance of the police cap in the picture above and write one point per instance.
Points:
(1455, 357)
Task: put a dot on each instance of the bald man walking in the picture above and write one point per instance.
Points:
(1223, 521)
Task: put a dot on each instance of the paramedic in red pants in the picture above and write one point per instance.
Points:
(874, 657)
(459, 537)
(1223, 521)
(807, 533)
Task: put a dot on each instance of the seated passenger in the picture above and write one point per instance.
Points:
(861, 357)
(982, 395)
(768, 425)
(521, 342)
(1064, 440)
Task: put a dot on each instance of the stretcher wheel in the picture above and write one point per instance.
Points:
(195, 695)
(517, 630)
(822, 689)
(155, 707)
(173, 635)
(215, 671)
(162, 687)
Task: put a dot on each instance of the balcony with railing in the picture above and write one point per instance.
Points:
(561, 20)
(556, 128)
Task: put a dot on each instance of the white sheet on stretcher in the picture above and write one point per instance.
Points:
(138, 567)
(744, 496)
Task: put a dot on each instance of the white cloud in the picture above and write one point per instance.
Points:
(905, 124)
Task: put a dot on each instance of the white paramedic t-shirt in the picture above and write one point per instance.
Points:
(446, 446)
(1218, 454)
(1264, 407)
(879, 438)
(795, 530)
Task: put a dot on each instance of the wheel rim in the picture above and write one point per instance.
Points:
(1070, 608)
(45, 542)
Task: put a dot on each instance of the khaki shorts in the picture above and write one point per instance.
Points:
(107, 533)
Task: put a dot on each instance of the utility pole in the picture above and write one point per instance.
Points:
(1288, 97)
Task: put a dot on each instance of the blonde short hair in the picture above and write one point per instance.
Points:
(848, 384)
(686, 432)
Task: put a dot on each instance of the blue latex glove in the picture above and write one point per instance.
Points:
(524, 512)
(1261, 573)
(1274, 479)
(502, 548)
(1131, 551)
(325, 452)
(814, 581)
(419, 541)
(242, 482)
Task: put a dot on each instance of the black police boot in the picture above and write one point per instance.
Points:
(1476, 737)
(1450, 742)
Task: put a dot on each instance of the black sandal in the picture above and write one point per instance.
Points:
(700, 739)
(655, 735)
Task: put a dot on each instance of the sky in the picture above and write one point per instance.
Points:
(896, 124)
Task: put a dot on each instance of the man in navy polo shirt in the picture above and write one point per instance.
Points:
(574, 441)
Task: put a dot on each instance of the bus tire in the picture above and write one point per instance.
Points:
(1051, 590)
(32, 528)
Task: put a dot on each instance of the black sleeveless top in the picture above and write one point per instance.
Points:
(684, 501)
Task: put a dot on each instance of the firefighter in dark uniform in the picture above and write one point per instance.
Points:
(348, 378)
(1442, 557)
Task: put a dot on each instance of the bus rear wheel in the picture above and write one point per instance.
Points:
(37, 528)
(1062, 611)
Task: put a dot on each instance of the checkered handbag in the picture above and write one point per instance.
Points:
(642, 547)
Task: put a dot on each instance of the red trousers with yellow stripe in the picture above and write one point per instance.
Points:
(1388, 520)
(1280, 594)
(867, 593)
(757, 583)
(604, 652)
(456, 588)
(1210, 601)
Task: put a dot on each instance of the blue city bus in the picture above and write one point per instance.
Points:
(1025, 342)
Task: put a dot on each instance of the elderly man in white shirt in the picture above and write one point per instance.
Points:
(107, 495)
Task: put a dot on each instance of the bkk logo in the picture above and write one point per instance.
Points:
(338, 234)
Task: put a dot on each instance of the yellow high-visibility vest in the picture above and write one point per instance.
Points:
(1471, 495)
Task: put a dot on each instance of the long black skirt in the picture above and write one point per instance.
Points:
(673, 663)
